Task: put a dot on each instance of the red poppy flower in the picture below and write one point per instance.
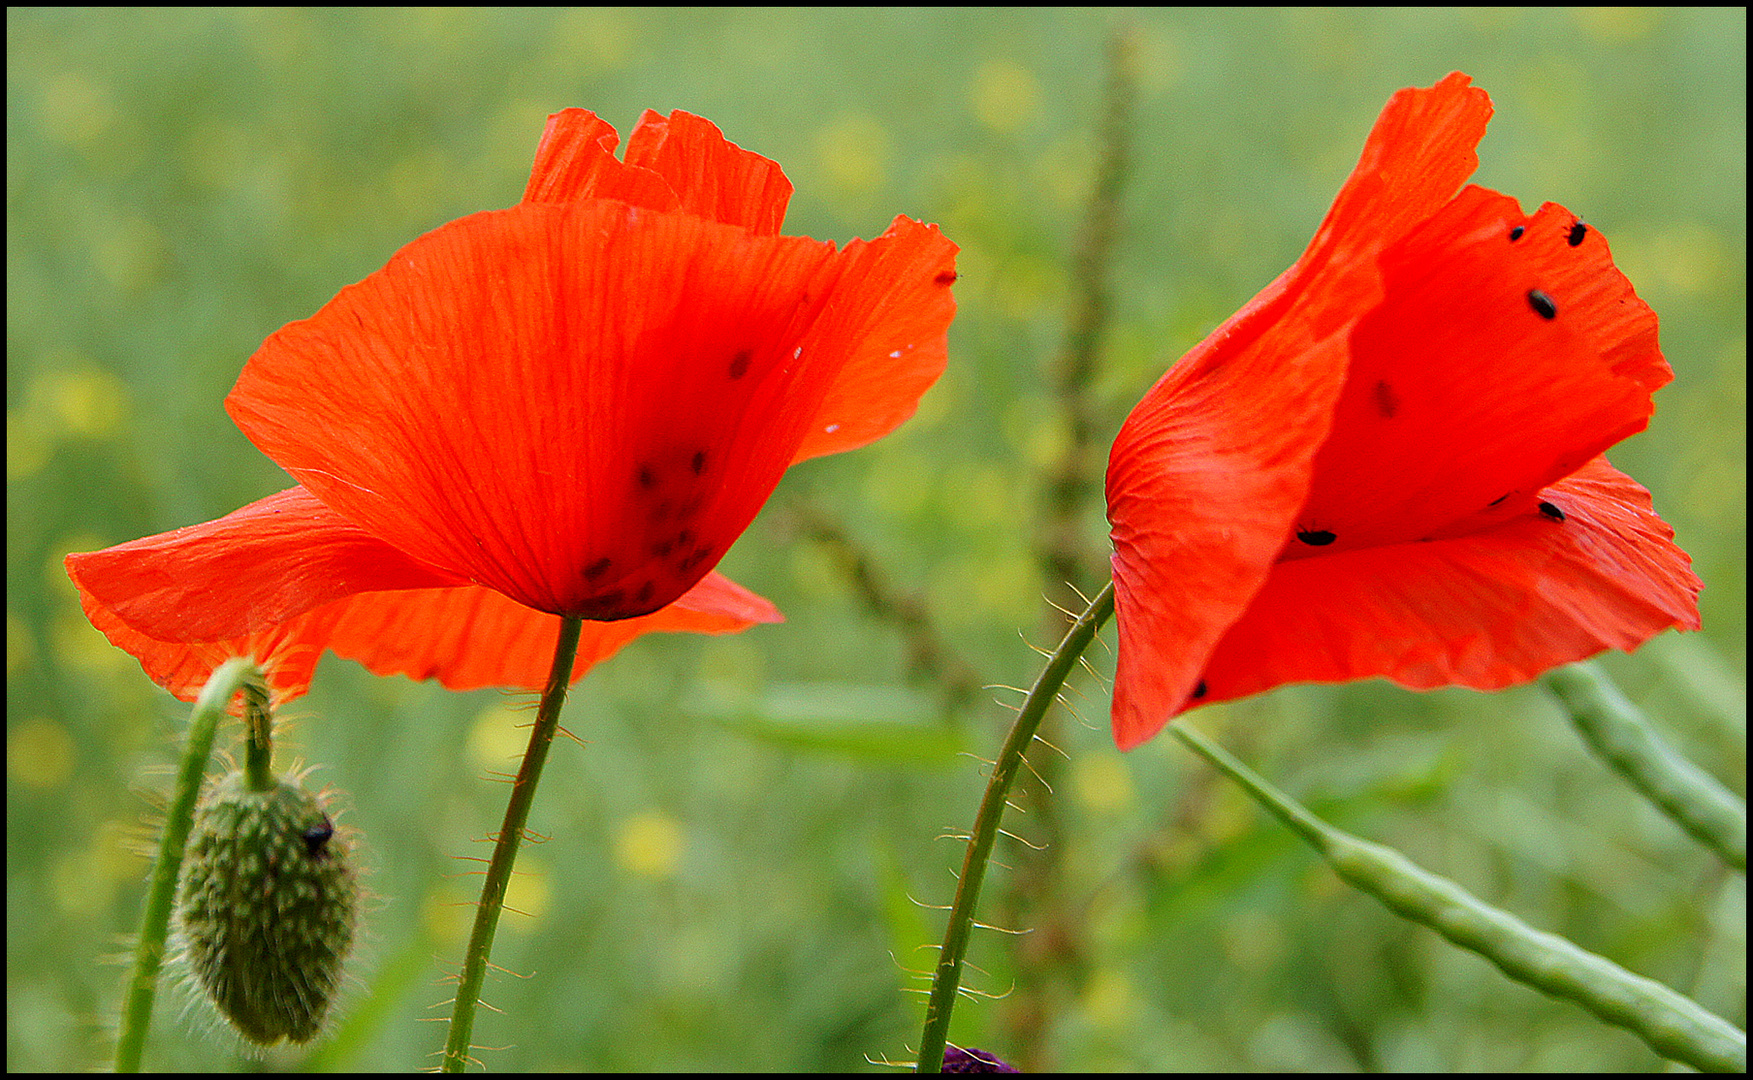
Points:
(573, 406)
(1388, 463)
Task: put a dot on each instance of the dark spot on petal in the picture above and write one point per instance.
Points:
(606, 605)
(684, 538)
(739, 364)
(1543, 304)
(661, 549)
(598, 569)
(1387, 402)
(946, 277)
(694, 558)
(647, 477)
(1498, 500)
(1552, 511)
(699, 462)
(1577, 232)
(1315, 537)
(1516, 233)
(1199, 690)
(316, 838)
(615, 604)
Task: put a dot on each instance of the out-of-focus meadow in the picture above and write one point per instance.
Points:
(734, 852)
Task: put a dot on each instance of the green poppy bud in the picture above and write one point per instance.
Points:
(267, 908)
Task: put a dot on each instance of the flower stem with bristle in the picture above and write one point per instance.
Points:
(517, 815)
(1010, 759)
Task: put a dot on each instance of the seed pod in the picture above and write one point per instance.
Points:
(267, 908)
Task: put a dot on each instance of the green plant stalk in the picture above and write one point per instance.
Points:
(239, 673)
(947, 982)
(517, 815)
(1620, 733)
(1673, 1025)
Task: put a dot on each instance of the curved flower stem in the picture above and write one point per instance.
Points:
(1672, 1024)
(948, 980)
(239, 673)
(517, 815)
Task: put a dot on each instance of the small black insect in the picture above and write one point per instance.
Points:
(1315, 537)
(1542, 304)
(1551, 511)
(317, 837)
(1576, 234)
(1199, 690)
(1516, 233)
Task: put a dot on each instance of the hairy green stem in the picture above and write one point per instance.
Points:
(1672, 1024)
(517, 815)
(948, 980)
(239, 673)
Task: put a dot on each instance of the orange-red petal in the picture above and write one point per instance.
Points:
(1419, 153)
(245, 573)
(712, 177)
(1209, 471)
(576, 160)
(581, 406)
(471, 637)
(466, 637)
(899, 312)
(287, 652)
(1485, 610)
(1462, 399)
(682, 162)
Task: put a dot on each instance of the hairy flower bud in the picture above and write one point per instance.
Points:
(267, 908)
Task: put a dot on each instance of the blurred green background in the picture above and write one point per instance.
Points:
(731, 854)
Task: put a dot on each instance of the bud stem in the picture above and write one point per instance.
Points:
(239, 673)
(517, 814)
(258, 757)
